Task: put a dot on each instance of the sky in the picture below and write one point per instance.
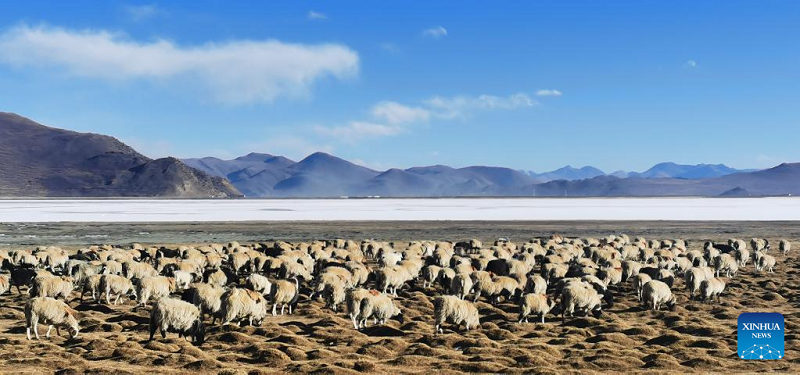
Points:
(618, 85)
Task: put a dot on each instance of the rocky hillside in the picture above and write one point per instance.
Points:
(40, 161)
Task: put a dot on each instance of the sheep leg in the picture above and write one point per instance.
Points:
(290, 309)
(273, 308)
(49, 328)
(36, 328)
(28, 332)
(283, 306)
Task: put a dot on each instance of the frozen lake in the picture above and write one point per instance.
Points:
(535, 209)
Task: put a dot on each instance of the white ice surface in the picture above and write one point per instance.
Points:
(765, 209)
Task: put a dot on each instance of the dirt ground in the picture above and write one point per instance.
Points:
(696, 337)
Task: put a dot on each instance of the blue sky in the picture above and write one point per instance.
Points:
(527, 85)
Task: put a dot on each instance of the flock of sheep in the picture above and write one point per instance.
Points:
(234, 283)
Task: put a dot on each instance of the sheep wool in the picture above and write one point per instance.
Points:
(177, 316)
(453, 310)
(534, 304)
(52, 312)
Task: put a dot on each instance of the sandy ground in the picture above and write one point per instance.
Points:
(696, 337)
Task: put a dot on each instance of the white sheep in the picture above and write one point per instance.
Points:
(174, 315)
(429, 275)
(51, 312)
(453, 310)
(461, 285)
(391, 278)
(334, 294)
(353, 301)
(725, 262)
(284, 293)
(115, 285)
(638, 282)
(580, 296)
(785, 246)
(711, 288)
(694, 277)
(765, 263)
(534, 304)
(494, 287)
(52, 286)
(259, 283)
(154, 286)
(182, 279)
(207, 297)
(380, 307)
(655, 293)
(237, 304)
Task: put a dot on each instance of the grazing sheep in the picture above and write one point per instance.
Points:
(765, 262)
(694, 277)
(534, 303)
(380, 307)
(116, 285)
(391, 278)
(259, 284)
(742, 255)
(452, 310)
(216, 277)
(461, 285)
(353, 302)
(785, 246)
(238, 304)
(52, 286)
(293, 270)
(429, 274)
(711, 288)
(284, 293)
(638, 282)
(174, 315)
(334, 294)
(495, 287)
(207, 297)
(92, 284)
(182, 279)
(580, 296)
(725, 262)
(759, 244)
(52, 312)
(536, 285)
(135, 270)
(655, 293)
(154, 286)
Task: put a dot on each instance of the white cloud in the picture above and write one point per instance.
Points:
(548, 93)
(356, 130)
(396, 113)
(312, 15)
(690, 64)
(435, 32)
(237, 71)
(139, 13)
(461, 106)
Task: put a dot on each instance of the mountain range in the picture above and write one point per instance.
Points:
(40, 161)
(324, 175)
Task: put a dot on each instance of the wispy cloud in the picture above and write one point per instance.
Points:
(462, 106)
(140, 13)
(548, 93)
(357, 130)
(264, 70)
(390, 47)
(312, 15)
(435, 32)
(690, 64)
(389, 118)
(396, 113)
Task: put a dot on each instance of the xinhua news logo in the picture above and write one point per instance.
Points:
(760, 336)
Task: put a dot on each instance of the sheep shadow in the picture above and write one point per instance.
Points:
(103, 309)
